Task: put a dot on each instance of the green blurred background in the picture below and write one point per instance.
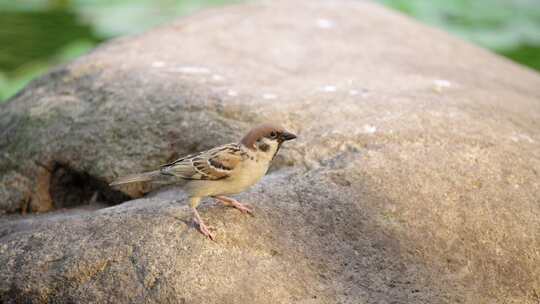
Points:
(37, 34)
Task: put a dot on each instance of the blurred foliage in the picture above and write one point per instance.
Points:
(508, 27)
(36, 34)
(496, 24)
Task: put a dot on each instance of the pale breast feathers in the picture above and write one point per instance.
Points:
(214, 164)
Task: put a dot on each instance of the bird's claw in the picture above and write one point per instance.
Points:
(236, 204)
(243, 208)
(204, 230)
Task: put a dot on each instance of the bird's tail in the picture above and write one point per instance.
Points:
(134, 178)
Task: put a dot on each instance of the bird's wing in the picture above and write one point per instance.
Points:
(214, 164)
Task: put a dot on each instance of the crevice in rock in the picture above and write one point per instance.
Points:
(70, 188)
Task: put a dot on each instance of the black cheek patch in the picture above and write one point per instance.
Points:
(264, 147)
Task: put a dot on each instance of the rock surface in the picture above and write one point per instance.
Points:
(415, 178)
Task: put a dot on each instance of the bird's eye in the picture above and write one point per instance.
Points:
(273, 134)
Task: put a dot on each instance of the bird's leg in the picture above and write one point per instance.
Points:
(197, 220)
(227, 201)
(201, 225)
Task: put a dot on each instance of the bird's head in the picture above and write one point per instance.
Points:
(266, 138)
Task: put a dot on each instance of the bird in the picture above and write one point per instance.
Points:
(221, 171)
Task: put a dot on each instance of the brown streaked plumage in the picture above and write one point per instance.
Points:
(213, 164)
(224, 170)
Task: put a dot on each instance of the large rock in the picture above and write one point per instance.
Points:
(415, 178)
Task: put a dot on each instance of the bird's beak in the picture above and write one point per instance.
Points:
(287, 136)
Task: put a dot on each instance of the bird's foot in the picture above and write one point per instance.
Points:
(227, 201)
(197, 220)
(203, 229)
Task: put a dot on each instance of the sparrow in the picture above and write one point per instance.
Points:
(224, 170)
